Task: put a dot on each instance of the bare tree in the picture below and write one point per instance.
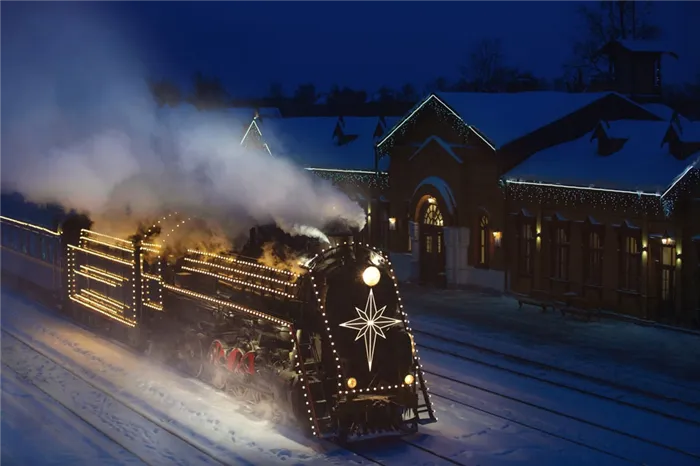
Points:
(484, 64)
(439, 84)
(408, 93)
(603, 22)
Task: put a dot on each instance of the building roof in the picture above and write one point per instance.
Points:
(688, 131)
(664, 112)
(502, 118)
(310, 142)
(643, 164)
(505, 117)
(646, 46)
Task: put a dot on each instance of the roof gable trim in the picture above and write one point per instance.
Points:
(430, 98)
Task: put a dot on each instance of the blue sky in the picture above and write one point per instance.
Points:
(360, 44)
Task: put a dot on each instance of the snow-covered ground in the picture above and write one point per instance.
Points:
(132, 408)
(59, 436)
(657, 360)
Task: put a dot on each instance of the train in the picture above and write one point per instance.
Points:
(327, 341)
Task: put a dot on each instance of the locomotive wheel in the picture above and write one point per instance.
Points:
(214, 373)
(193, 355)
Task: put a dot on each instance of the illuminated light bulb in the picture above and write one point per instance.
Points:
(371, 276)
(409, 379)
(352, 382)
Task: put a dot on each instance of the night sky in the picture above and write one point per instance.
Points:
(360, 44)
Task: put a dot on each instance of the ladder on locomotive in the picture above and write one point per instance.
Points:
(424, 407)
(311, 368)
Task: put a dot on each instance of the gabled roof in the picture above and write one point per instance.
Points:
(310, 142)
(642, 165)
(501, 118)
(646, 46)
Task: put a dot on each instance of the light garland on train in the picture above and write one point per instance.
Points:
(306, 388)
(242, 272)
(239, 261)
(239, 282)
(227, 304)
(90, 298)
(404, 317)
(29, 226)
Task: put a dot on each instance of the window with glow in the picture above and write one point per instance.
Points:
(483, 241)
(560, 252)
(433, 216)
(630, 265)
(593, 256)
(429, 244)
(527, 244)
(667, 267)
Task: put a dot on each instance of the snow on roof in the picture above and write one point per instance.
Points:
(646, 46)
(391, 122)
(360, 125)
(688, 131)
(642, 165)
(444, 190)
(506, 117)
(665, 112)
(309, 141)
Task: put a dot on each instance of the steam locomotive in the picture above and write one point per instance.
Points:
(328, 340)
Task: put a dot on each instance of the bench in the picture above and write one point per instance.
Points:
(579, 307)
(537, 298)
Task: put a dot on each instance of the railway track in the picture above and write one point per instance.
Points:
(554, 369)
(418, 453)
(203, 456)
(618, 432)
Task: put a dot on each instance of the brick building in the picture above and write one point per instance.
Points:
(593, 195)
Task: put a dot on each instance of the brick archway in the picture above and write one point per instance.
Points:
(433, 208)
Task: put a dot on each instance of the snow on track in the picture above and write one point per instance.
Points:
(30, 417)
(208, 418)
(500, 393)
(116, 421)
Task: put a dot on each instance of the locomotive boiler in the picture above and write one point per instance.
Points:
(328, 338)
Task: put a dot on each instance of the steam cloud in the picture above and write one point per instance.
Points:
(81, 129)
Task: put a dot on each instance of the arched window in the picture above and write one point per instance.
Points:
(433, 216)
(483, 241)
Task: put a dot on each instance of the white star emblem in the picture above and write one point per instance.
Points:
(369, 325)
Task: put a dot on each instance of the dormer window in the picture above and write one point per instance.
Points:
(607, 143)
(681, 143)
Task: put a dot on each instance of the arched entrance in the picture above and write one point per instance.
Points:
(432, 243)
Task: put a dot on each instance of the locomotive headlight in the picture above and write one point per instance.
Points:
(371, 276)
(352, 382)
(409, 379)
